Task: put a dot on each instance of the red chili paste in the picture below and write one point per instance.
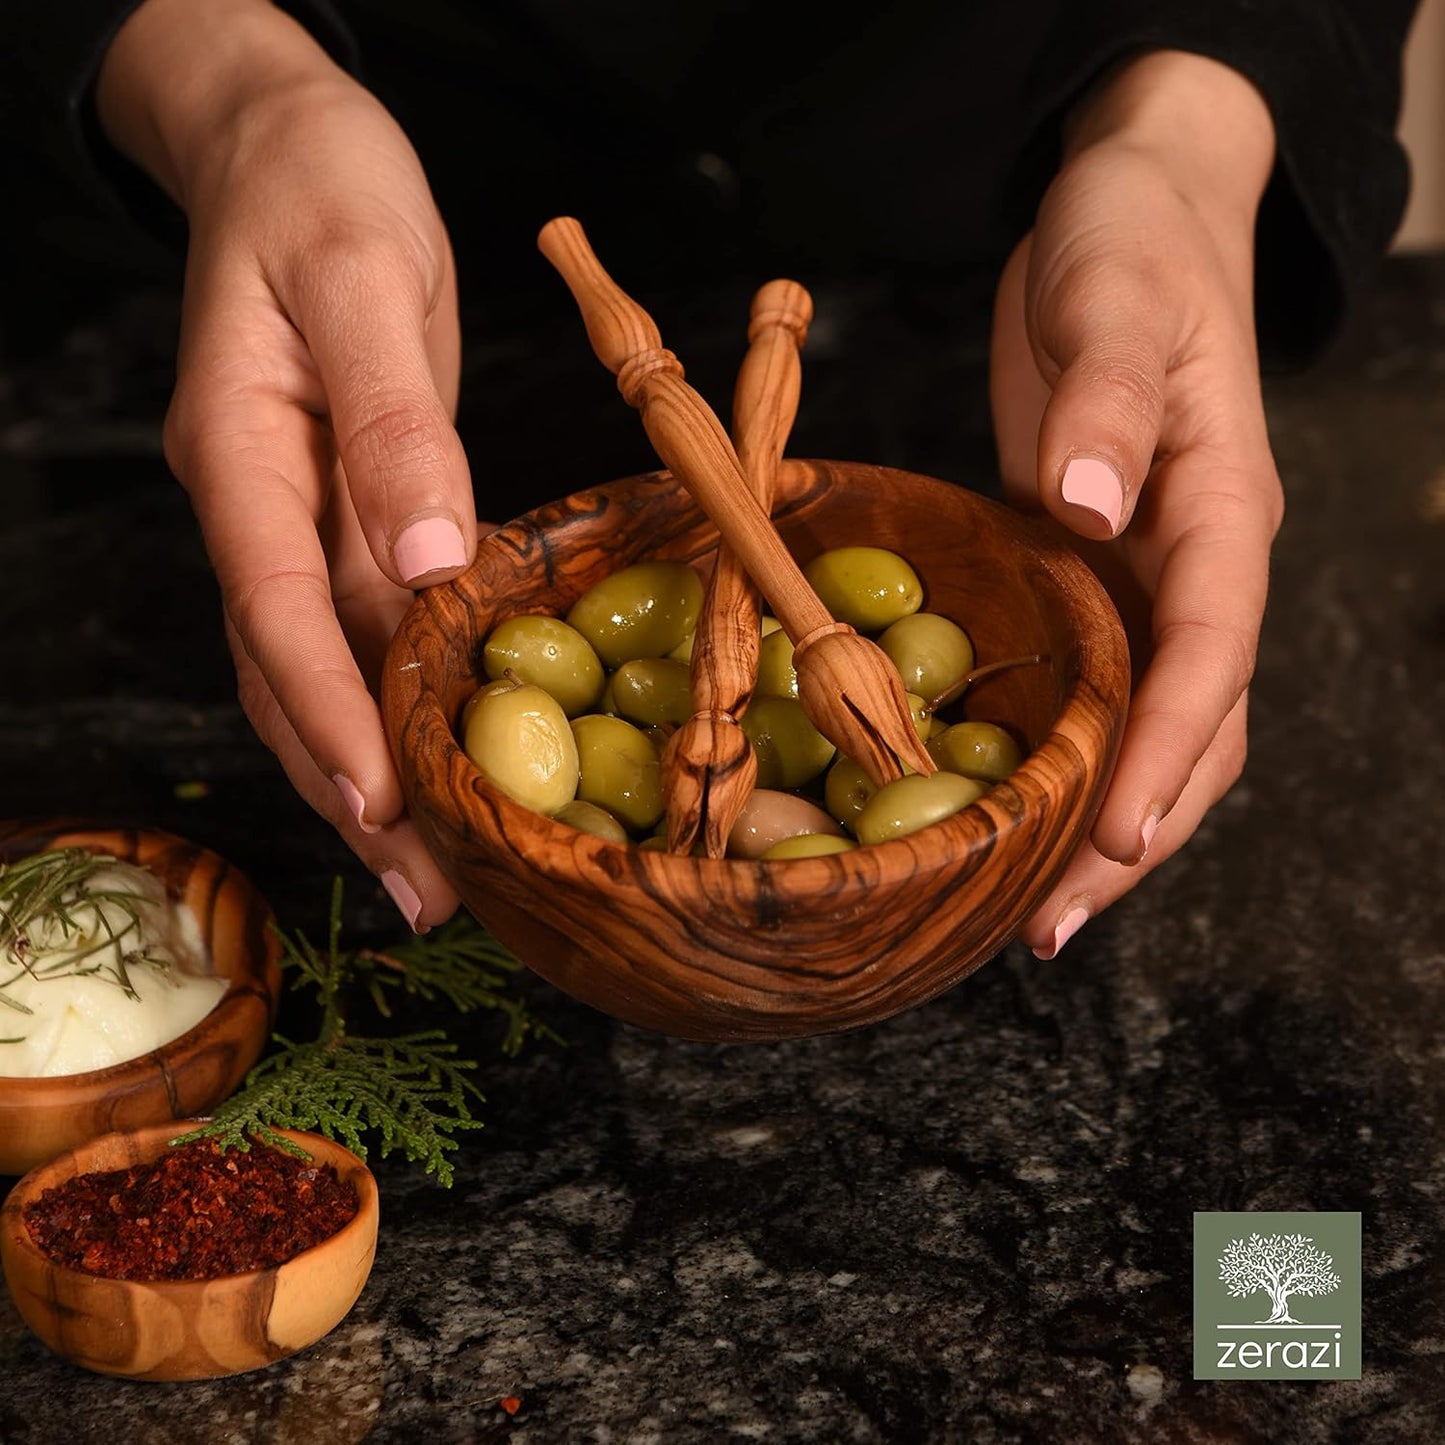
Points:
(195, 1212)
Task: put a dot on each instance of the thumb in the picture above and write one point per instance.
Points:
(1103, 335)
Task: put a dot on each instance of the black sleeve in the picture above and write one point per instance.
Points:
(1329, 70)
(47, 80)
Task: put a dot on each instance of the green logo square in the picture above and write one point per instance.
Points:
(1277, 1296)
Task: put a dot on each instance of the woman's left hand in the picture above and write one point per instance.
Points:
(1125, 389)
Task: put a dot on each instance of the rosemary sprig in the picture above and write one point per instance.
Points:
(411, 1089)
(55, 889)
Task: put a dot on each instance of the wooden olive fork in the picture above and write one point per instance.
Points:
(709, 767)
(848, 688)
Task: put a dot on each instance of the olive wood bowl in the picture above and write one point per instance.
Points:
(726, 949)
(188, 1329)
(42, 1117)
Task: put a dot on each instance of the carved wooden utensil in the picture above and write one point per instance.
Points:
(709, 765)
(185, 1329)
(847, 686)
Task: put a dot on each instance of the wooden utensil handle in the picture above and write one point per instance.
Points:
(681, 426)
(770, 382)
(765, 402)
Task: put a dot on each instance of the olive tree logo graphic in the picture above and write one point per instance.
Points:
(1282, 1265)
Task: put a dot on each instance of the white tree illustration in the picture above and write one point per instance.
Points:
(1280, 1264)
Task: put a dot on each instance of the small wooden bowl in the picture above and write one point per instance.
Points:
(190, 1329)
(725, 949)
(40, 1118)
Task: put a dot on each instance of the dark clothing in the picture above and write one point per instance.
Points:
(912, 138)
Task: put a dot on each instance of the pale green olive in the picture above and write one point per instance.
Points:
(589, 818)
(908, 804)
(655, 843)
(485, 690)
(846, 791)
(519, 739)
(790, 750)
(777, 677)
(546, 651)
(976, 750)
(769, 816)
(869, 588)
(642, 611)
(810, 845)
(770, 625)
(651, 690)
(619, 770)
(930, 652)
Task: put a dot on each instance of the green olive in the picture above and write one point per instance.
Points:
(908, 804)
(922, 718)
(768, 816)
(930, 652)
(519, 738)
(656, 843)
(619, 770)
(869, 588)
(777, 677)
(650, 690)
(589, 818)
(474, 701)
(642, 611)
(790, 750)
(847, 791)
(546, 651)
(810, 845)
(976, 750)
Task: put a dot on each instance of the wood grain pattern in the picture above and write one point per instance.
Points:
(185, 1329)
(726, 949)
(40, 1118)
(709, 766)
(846, 685)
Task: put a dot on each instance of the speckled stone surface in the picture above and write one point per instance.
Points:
(970, 1223)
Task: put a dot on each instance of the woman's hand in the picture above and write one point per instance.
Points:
(1126, 401)
(317, 380)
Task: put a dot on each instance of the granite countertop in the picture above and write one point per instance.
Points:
(972, 1222)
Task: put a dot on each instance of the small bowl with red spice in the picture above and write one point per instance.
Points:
(134, 1256)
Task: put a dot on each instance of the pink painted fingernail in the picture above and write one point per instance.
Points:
(1089, 482)
(1069, 925)
(1146, 835)
(352, 795)
(426, 546)
(404, 896)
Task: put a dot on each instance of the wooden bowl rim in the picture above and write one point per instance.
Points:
(224, 1020)
(534, 837)
(149, 1141)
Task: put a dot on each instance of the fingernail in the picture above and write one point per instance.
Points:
(352, 796)
(404, 896)
(1069, 925)
(1094, 484)
(426, 546)
(1146, 834)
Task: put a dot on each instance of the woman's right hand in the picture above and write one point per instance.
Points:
(317, 379)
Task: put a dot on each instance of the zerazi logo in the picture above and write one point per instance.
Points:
(1277, 1296)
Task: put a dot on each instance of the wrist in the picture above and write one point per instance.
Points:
(180, 72)
(1204, 122)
